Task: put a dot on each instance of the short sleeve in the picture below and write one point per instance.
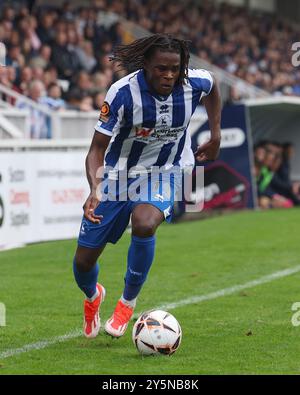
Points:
(111, 113)
(201, 79)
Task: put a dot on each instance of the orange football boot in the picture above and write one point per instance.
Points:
(118, 322)
(92, 323)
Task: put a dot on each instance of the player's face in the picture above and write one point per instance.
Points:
(162, 71)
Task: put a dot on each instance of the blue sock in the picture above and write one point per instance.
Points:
(140, 258)
(86, 281)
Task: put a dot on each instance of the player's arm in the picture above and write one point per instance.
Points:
(213, 106)
(111, 116)
(94, 164)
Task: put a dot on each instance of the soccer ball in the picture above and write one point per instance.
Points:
(156, 332)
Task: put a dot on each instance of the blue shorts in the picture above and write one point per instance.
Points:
(116, 213)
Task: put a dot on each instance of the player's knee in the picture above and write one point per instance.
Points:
(144, 228)
(86, 258)
(84, 262)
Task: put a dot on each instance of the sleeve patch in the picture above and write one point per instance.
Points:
(105, 112)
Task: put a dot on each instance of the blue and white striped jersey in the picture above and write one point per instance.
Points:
(147, 129)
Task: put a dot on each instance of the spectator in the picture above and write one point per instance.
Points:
(32, 35)
(284, 173)
(50, 75)
(98, 99)
(14, 57)
(54, 97)
(37, 73)
(8, 13)
(274, 189)
(83, 82)
(86, 57)
(24, 80)
(66, 62)
(38, 119)
(259, 156)
(86, 103)
(45, 29)
(79, 100)
(100, 81)
(53, 101)
(42, 59)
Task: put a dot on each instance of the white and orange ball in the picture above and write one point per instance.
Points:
(157, 332)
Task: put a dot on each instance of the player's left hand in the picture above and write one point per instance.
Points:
(208, 151)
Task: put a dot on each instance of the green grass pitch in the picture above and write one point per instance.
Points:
(247, 332)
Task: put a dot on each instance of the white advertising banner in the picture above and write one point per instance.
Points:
(41, 195)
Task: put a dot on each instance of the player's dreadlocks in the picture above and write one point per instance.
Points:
(132, 57)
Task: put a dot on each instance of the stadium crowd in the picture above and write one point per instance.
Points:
(69, 47)
(252, 45)
(272, 170)
(59, 57)
(63, 53)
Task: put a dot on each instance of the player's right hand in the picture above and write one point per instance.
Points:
(89, 208)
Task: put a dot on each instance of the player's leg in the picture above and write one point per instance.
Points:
(85, 269)
(91, 242)
(145, 220)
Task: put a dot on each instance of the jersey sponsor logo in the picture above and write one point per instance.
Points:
(104, 113)
(162, 132)
(163, 123)
(167, 134)
(143, 132)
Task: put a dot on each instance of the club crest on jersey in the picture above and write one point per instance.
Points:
(104, 113)
(164, 121)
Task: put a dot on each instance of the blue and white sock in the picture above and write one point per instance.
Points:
(140, 258)
(87, 281)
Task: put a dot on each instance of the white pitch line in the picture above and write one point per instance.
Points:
(41, 344)
(168, 306)
(228, 291)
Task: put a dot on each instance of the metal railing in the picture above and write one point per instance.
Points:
(65, 124)
(7, 128)
(6, 125)
(24, 99)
